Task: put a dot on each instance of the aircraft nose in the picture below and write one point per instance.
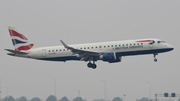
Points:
(170, 47)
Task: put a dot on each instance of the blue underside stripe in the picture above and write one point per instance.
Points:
(118, 54)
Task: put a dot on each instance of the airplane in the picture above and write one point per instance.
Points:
(111, 52)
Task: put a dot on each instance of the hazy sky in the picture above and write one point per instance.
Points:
(45, 22)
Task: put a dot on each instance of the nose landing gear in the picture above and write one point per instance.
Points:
(155, 60)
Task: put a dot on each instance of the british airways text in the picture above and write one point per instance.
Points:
(128, 47)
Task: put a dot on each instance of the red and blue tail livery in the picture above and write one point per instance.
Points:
(19, 41)
(111, 52)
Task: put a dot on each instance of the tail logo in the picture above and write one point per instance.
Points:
(19, 41)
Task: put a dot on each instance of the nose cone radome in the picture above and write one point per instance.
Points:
(170, 48)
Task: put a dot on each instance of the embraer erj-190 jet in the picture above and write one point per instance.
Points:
(111, 52)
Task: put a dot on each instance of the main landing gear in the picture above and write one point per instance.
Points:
(155, 60)
(92, 65)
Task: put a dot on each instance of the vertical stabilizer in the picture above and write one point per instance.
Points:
(20, 42)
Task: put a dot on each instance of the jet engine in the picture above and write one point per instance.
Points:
(110, 57)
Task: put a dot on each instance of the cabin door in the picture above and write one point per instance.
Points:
(44, 52)
(151, 44)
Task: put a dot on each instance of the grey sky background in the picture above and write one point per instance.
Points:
(45, 22)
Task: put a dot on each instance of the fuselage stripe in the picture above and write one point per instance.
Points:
(145, 41)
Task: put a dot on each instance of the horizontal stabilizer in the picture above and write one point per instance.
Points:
(16, 52)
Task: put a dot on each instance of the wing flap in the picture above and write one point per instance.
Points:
(85, 52)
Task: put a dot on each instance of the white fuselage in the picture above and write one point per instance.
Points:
(120, 48)
(106, 51)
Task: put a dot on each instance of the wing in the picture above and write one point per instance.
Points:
(84, 54)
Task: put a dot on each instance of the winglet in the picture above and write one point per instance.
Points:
(66, 46)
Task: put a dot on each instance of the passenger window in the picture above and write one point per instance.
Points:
(119, 45)
(108, 46)
(134, 44)
(104, 46)
(123, 45)
(88, 48)
(111, 45)
(96, 46)
(92, 47)
(126, 44)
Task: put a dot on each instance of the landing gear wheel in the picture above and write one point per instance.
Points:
(89, 65)
(155, 60)
(94, 66)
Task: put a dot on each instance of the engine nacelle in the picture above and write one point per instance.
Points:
(110, 57)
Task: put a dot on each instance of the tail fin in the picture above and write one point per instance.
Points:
(19, 41)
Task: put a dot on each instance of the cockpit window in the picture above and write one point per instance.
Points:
(161, 42)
